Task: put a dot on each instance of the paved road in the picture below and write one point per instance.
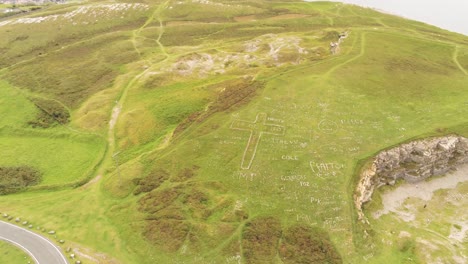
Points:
(39, 248)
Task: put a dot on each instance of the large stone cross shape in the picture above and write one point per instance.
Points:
(256, 129)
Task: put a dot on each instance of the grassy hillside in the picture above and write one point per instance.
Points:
(219, 131)
(11, 254)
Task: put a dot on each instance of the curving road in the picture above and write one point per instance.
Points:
(39, 248)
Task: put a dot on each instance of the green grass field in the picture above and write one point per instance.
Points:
(61, 160)
(11, 254)
(16, 109)
(62, 155)
(222, 133)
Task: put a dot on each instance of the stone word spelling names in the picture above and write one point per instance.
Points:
(325, 167)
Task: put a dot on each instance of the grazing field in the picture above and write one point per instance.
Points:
(15, 108)
(11, 254)
(62, 156)
(219, 132)
(61, 160)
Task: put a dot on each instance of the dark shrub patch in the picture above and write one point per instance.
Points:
(168, 234)
(188, 213)
(13, 179)
(260, 240)
(185, 174)
(50, 113)
(303, 244)
(235, 93)
(156, 201)
(151, 182)
(331, 36)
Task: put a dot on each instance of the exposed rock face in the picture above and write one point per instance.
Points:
(414, 162)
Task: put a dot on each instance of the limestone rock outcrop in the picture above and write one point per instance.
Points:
(414, 161)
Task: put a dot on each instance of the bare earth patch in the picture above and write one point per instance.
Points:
(93, 181)
(115, 115)
(394, 199)
(244, 18)
(433, 212)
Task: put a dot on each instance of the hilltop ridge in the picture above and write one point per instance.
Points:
(202, 131)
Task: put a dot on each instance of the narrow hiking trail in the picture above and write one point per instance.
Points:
(112, 150)
(362, 41)
(455, 59)
(121, 100)
(115, 114)
(156, 15)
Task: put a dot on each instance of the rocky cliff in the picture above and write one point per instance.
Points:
(414, 161)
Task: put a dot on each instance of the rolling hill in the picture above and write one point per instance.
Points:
(203, 131)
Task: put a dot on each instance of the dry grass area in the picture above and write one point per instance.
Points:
(248, 18)
(288, 16)
(14, 179)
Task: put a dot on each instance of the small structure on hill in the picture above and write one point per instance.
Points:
(335, 46)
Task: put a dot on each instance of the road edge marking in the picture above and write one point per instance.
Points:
(21, 247)
(43, 238)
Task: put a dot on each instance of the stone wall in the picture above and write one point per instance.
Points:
(414, 161)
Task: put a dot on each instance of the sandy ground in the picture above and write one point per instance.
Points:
(394, 199)
(115, 115)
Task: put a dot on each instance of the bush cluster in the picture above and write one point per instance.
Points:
(235, 93)
(13, 179)
(154, 179)
(260, 240)
(50, 113)
(264, 239)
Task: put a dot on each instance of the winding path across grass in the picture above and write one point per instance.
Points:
(39, 248)
(455, 59)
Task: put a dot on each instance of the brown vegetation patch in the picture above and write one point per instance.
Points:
(167, 234)
(185, 174)
(13, 179)
(175, 212)
(288, 16)
(158, 200)
(50, 113)
(234, 93)
(303, 244)
(97, 61)
(330, 36)
(198, 204)
(209, 235)
(260, 240)
(248, 18)
(187, 122)
(154, 179)
(318, 54)
(189, 213)
(233, 249)
(291, 56)
(235, 216)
